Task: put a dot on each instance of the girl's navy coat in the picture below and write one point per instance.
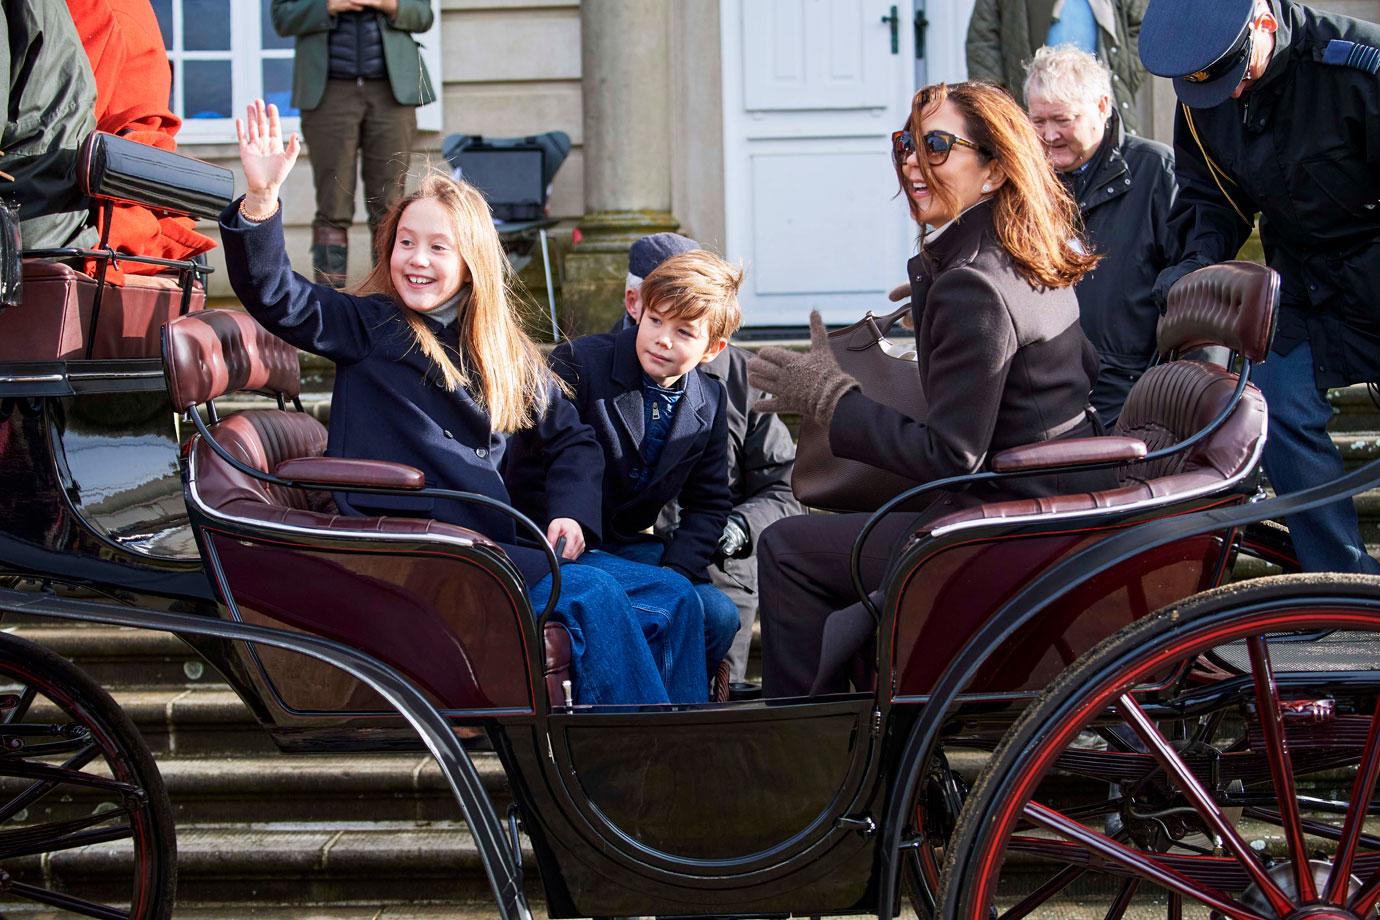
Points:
(390, 401)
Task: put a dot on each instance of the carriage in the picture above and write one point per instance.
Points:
(1151, 738)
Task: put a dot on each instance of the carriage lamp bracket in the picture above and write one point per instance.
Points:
(863, 824)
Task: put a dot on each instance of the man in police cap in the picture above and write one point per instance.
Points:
(1279, 117)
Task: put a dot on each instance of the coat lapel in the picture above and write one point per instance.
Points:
(627, 373)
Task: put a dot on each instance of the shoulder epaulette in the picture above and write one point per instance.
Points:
(1352, 54)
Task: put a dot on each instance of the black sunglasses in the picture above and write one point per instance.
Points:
(938, 145)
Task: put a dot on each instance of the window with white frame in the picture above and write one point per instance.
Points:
(225, 53)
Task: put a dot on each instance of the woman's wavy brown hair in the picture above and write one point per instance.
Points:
(1035, 217)
(497, 362)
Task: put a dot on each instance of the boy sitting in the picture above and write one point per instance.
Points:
(663, 425)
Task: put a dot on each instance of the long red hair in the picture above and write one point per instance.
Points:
(1035, 217)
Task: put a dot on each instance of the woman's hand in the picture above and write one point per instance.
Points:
(573, 533)
(810, 384)
(265, 159)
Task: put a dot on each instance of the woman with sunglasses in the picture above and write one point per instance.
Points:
(1002, 361)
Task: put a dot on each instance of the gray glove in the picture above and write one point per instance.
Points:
(810, 384)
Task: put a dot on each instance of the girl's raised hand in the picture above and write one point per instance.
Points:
(266, 160)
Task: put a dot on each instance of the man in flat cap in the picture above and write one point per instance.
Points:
(761, 456)
(1279, 117)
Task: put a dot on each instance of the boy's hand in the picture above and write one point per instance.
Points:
(266, 160)
(574, 536)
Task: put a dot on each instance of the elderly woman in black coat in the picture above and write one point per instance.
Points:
(1002, 362)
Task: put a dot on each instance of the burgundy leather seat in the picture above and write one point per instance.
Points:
(216, 352)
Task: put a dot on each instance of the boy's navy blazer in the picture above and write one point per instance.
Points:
(390, 402)
(606, 378)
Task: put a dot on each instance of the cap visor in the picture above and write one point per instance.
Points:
(1214, 92)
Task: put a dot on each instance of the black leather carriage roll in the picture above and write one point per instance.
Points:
(117, 169)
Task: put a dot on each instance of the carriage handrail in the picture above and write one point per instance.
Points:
(524, 522)
(72, 252)
(855, 557)
(1049, 587)
(435, 731)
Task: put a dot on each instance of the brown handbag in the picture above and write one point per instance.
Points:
(888, 373)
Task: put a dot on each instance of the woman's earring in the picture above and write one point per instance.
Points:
(986, 187)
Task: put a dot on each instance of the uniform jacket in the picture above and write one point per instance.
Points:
(389, 401)
(1126, 196)
(1003, 36)
(761, 456)
(310, 24)
(1302, 150)
(606, 378)
(1001, 363)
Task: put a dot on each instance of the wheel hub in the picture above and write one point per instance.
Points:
(1282, 873)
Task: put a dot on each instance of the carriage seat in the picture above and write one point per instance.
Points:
(1232, 304)
(54, 321)
(215, 352)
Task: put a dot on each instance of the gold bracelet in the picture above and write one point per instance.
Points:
(258, 220)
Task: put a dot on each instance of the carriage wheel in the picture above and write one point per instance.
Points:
(1217, 759)
(86, 828)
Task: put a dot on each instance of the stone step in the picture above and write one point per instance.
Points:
(116, 656)
(320, 787)
(338, 862)
(197, 721)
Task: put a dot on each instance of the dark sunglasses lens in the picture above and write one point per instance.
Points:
(937, 145)
(902, 146)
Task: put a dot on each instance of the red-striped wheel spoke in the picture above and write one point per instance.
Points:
(1281, 766)
(1361, 791)
(1057, 883)
(1202, 801)
(1142, 864)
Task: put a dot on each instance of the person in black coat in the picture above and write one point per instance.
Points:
(1125, 189)
(434, 371)
(1001, 356)
(761, 456)
(663, 427)
(1279, 117)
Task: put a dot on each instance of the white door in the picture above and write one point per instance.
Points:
(812, 91)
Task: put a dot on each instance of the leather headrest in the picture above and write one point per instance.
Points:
(1232, 304)
(214, 352)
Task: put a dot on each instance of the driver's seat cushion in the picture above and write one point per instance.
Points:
(53, 321)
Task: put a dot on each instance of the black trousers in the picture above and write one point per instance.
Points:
(804, 576)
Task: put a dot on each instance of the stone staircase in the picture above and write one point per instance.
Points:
(333, 837)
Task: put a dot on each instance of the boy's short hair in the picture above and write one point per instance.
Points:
(696, 284)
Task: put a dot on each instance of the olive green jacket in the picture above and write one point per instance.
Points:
(311, 24)
(1003, 36)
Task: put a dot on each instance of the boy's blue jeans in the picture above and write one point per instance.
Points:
(671, 617)
(609, 656)
(721, 620)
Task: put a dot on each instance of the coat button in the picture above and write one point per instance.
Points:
(1109, 190)
(480, 452)
(447, 434)
(1128, 181)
